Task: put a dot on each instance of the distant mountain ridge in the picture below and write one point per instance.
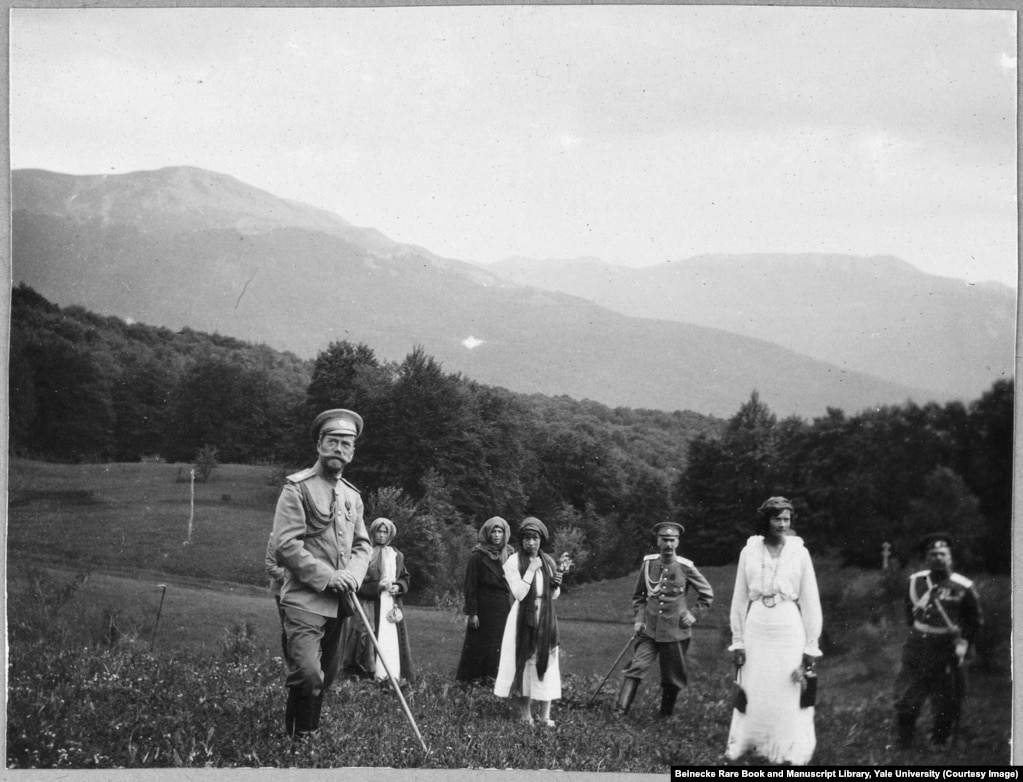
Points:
(187, 247)
(870, 314)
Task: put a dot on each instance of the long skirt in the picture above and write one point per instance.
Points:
(481, 651)
(546, 689)
(359, 656)
(774, 725)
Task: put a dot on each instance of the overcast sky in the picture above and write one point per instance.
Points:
(636, 134)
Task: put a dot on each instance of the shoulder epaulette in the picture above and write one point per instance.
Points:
(648, 557)
(684, 561)
(350, 486)
(301, 475)
(920, 574)
(962, 580)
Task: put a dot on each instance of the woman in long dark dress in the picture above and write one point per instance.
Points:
(487, 602)
(386, 581)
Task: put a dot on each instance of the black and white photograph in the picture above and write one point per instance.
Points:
(454, 389)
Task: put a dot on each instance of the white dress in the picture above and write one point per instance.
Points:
(387, 634)
(548, 688)
(775, 640)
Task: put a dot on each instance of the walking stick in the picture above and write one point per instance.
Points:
(156, 625)
(614, 665)
(394, 682)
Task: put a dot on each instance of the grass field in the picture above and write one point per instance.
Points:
(120, 528)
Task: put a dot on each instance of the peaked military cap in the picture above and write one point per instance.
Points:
(927, 542)
(337, 421)
(669, 526)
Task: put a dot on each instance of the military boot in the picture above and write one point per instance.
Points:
(627, 694)
(668, 696)
(300, 715)
(905, 727)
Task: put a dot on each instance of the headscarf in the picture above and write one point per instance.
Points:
(533, 634)
(533, 523)
(376, 557)
(500, 552)
(386, 524)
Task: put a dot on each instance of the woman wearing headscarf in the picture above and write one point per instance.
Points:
(380, 595)
(487, 602)
(776, 622)
(529, 649)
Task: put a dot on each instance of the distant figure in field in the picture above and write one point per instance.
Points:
(386, 581)
(320, 537)
(776, 623)
(529, 669)
(662, 618)
(944, 616)
(487, 602)
(276, 573)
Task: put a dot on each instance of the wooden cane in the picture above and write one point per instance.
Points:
(394, 682)
(614, 665)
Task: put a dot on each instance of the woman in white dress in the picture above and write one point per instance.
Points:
(529, 669)
(776, 623)
(380, 593)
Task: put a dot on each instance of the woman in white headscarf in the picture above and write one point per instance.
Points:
(380, 595)
(776, 623)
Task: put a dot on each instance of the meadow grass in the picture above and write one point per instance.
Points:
(91, 685)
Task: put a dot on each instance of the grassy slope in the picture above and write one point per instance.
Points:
(133, 519)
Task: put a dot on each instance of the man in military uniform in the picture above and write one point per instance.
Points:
(663, 619)
(320, 538)
(943, 611)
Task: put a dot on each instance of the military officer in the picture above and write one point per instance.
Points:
(944, 616)
(663, 618)
(320, 538)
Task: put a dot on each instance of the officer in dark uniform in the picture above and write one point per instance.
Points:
(320, 538)
(663, 618)
(944, 616)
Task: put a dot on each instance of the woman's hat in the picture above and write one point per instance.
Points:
(774, 504)
(534, 524)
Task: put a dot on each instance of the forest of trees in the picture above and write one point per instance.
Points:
(441, 453)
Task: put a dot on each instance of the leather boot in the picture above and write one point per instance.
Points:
(905, 727)
(300, 715)
(317, 708)
(668, 696)
(626, 695)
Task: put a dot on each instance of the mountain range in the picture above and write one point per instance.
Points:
(877, 315)
(185, 247)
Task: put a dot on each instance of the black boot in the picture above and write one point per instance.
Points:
(905, 727)
(668, 696)
(627, 694)
(301, 716)
(317, 708)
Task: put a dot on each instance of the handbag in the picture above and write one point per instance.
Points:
(394, 615)
(739, 698)
(808, 693)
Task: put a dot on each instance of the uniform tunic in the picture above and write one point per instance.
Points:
(930, 667)
(659, 602)
(318, 530)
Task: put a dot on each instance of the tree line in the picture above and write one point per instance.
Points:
(441, 452)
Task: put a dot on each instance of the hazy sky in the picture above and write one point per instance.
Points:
(636, 134)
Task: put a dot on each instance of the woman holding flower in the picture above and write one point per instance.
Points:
(529, 667)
